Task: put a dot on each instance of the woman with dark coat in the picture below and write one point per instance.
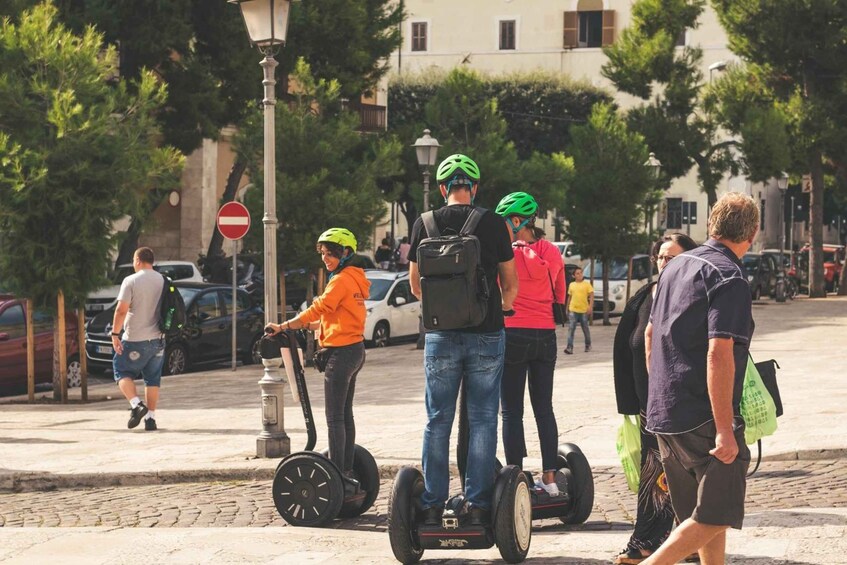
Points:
(654, 517)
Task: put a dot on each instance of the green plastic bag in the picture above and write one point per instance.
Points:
(629, 450)
(757, 406)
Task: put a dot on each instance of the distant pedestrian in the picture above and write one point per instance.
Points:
(140, 353)
(403, 254)
(580, 307)
(697, 349)
(654, 517)
(531, 338)
(382, 256)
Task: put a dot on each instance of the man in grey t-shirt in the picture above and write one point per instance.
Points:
(141, 351)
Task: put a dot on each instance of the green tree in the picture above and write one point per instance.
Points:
(646, 63)
(462, 110)
(603, 205)
(327, 172)
(76, 154)
(796, 53)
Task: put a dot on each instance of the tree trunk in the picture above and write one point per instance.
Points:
(410, 212)
(816, 270)
(606, 265)
(232, 181)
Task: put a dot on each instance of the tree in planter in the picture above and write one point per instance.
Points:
(603, 205)
(645, 62)
(327, 173)
(465, 118)
(76, 154)
(796, 49)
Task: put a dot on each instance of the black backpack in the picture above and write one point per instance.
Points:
(454, 288)
(171, 308)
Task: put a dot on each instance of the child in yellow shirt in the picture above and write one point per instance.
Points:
(580, 306)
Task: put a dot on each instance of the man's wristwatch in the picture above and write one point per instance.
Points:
(118, 334)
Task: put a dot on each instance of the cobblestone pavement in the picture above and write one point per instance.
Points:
(778, 485)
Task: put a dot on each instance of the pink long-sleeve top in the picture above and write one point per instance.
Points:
(538, 264)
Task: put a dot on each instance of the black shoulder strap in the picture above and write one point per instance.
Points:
(473, 220)
(430, 226)
(758, 458)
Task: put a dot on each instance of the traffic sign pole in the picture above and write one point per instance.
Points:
(234, 222)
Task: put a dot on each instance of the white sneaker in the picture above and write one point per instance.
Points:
(552, 489)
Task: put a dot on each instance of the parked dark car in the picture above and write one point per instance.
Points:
(206, 337)
(761, 269)
(13, 345)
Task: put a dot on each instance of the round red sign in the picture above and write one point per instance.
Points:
(233, 220)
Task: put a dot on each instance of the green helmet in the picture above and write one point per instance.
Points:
(341, 236)
(517, 204)
(457, 164)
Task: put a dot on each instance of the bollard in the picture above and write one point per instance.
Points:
(272, 441)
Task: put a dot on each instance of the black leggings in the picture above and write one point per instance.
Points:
(533, 351)
(343, 365)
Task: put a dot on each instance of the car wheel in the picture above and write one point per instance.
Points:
(382, 334)
(252, 355)
(176, 360)
(74, 372)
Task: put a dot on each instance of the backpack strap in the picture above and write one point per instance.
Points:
(428, 219)
(473, 220)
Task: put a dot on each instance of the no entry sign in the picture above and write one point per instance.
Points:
(233, 220)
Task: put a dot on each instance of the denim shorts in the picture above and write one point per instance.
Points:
(141, 359)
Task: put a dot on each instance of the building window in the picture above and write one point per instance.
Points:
(680, 39)
(418, 36)
(507, 34)
(674, 221)
(589, 26)
(590, 29)
(689, 213)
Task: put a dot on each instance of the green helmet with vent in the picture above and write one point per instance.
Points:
(457, 165)
(340, 236)
(517, 204)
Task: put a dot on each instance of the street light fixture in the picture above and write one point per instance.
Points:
(782, 185)
(267, 26)
(426, 149)
(718, 66)
(654, 165)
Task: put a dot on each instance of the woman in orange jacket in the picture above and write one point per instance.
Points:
(339, 314)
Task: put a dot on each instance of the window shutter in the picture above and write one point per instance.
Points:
(571, 30)
(608, 27)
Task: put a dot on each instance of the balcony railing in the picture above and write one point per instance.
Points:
(372, 117)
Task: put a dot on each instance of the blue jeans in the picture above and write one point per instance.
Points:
(449, 358)
(140, 359)
(582, 320)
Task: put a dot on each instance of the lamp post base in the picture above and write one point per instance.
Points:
(273, 447)
(272, 441)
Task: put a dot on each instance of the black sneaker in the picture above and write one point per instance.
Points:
(150, 425)
(136, 414)
(587, 348)
(432, 515)
(479, 516)
(569, 350)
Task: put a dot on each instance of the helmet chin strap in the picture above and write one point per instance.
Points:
(515, 230)
(341, 263)
(470, 188)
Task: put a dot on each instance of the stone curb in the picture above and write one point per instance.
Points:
(40, 481)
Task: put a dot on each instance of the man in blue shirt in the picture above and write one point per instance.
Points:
(697, 346)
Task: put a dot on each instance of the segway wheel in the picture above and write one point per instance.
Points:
(367, 473)
(512, 514)
(575, 466)
(307, 490)
(402, 515)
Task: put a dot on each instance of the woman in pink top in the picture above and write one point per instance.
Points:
(531, 337)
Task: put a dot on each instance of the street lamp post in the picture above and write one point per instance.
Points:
(426, 150)
(782, 185)
(267, 26)
(655, 167)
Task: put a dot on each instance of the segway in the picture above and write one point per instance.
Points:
(511, 513)
(308, 488)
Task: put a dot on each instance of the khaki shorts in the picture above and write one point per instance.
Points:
(701, 487)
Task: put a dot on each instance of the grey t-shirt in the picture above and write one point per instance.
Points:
(142, 291)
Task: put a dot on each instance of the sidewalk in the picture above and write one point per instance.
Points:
(209, 421)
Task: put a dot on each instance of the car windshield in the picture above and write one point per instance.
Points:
(617, 270)
(175, 272)
(379, 288)
(829, 256)
(187, 293)
(751, 263)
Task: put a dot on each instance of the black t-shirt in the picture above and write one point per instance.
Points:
(495, 248)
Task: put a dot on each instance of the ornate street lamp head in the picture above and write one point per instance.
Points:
(266, 21)
(426, 148)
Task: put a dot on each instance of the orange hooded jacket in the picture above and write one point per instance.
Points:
(340, 309)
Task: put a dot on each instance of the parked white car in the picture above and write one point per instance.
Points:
(393, 311)
(570, 252)
(641, 267)
(105, 298)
